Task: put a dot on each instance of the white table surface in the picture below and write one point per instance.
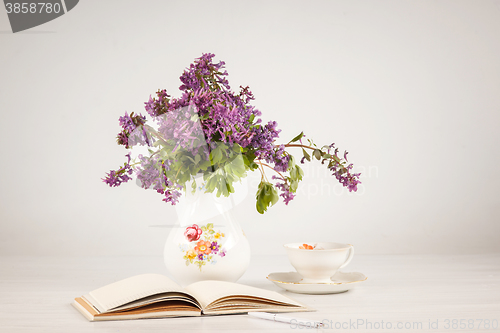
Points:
(36, 292)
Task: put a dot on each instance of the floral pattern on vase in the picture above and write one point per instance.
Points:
(202, 251)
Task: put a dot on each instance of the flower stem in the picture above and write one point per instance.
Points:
(262, 172)
(301, 146)
(270, 167)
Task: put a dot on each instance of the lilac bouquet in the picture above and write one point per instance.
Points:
(214, 132)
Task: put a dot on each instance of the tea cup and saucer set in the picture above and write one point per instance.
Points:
(318, 266)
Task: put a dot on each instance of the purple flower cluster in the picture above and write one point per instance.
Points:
(172, 196)
(151, 175)
(347, 179)
(226, 117)
(202, 73)
(286, 192)
(343, 174)
(115, 178)
(203, 129)
(159, 105)
(281, 159)
(133, 131)
(180, 127)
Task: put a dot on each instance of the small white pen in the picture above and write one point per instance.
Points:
(286, 319)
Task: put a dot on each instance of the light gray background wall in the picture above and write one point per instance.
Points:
(409, 88)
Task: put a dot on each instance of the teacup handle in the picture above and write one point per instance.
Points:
(349, 258)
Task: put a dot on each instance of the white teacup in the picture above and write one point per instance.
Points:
(319, 264)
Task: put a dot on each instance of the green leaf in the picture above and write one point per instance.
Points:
(261, 208)
(211, 183)
(306, 155)
(222, 188)
(186, 159)
(197, 159)
(230, 187)
(164, 154)
(300, 171)
(293, 174)
(216, 155)
(297, 138)
(237, 148)
(210, 225)
(291, 162)
(296, 175)
(274, 196)
(317, 154)
(228, 168)
(248, 160)
(266, 196)
(193, 187)
(236, 169)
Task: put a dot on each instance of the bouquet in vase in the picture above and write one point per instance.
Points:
(214, 132)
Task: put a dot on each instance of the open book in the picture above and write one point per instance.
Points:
(156, 296)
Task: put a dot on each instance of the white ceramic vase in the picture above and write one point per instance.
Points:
(208, 243)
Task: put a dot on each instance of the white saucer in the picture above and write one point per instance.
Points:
(341, 282)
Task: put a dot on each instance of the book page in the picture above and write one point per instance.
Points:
(161, 297)
(168, 309)
(131, 289)
(215, 293)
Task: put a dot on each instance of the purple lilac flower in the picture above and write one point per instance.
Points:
(180, 127)
(214, 247)
(343, 174)
(149, 176)
(229, 113)
(207, 113)
(133, 131)
(346, 178)
(222, 252)
(281, 159)
(226, 117)
(122, 139)
(199, 256)
(230, 117)
(202, 66)
(139, 137)
(172, 196)
(286, 193)
(263, 141)
(116, 178)
(159, 105)
(128, 123)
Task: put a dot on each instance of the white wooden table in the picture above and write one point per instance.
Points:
(402, 293)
